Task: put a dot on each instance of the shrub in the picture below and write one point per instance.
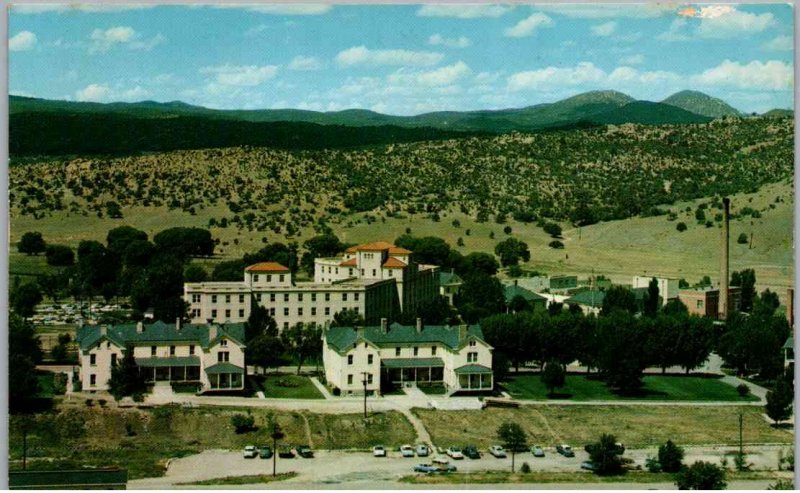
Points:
(701, 476)
(101, 402)
(525, 469)
(670, 457)
(681, 227)
(556, 244)
(652, 465)
(243, 423)
(742, 239)
(743, 390)
(507, 230)
(138, 397)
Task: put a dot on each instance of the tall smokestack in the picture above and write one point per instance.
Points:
(790, 307)
(725, 262)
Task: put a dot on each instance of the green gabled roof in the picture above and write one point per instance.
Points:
(412, 362)
(789, 344)
(168, 361)
(513, 291)
(224, 367)
(446, 278)
(158, 332)
(588, 298)
(343, 337)
(472, 369)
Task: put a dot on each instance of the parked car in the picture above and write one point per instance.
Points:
(471, 452)
(422, 450)
(537, 451)
(285, 452)
(379, 451)
(407, 451)
(497, 451)
(434, 469)
(565, 450)
(588, 465)
(445, 468)
(454, 453)
(441, 459)
(265, 453)
(250, 452)
(305, 452)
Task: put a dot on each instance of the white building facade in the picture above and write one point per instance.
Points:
(667, 288)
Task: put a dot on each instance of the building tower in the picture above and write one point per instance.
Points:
(725, 261)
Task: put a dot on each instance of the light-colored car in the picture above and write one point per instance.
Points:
(537, 451)
(441, 459)
(422, 450)
(407, 451)
(250, 452)
(497, 451)
(455, 453)
(565, 450)
(379, 451)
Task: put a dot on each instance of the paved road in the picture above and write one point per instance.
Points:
(361, 470)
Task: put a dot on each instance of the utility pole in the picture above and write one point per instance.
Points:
(24, 446)
(741, 449)
(364, 381)
(276, 435)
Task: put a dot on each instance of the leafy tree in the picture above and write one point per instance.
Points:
(118, 239)
(97, 266)
(195, 273)
(24, 352)
(769, 302)
(160, 286)
(553, 376)
(753, 343)
(126, 377)
(185, 242)
(619, 355)
(511, 251)
(555, 244)
(436, 311)
(25, 298)
(113, 210)
(675, 307)
(742, 239)
(619, 298)
(480, 296)
(326, 245)
(59, 255)
(670, 456)
(518, 304)
(479, 262)
(511, 336)
(347, 318)
(274, 252)
(229, 270)
(606, 455)
(513, 438)
(552, 229)
(701, 476)
(31, 243)
(681, 227)
(243, 423)
(260, 322)
(303, 342)
(652, 299)
(779, 401)
(746, 280)
(695, 341)
(265, 350)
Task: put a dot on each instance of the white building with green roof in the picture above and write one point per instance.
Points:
(210, 355)
(378, 358)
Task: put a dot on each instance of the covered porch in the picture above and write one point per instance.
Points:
(404, 371)
(225, 376)
(475, 377)
(172, 369)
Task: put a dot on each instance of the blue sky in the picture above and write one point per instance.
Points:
(400, 59)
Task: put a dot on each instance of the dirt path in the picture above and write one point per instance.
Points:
(307, 428)
(422, 433)
(556, 437)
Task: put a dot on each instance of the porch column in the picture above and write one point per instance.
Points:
(154, 374)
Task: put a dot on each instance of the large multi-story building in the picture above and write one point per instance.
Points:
(377, 280)
(667, 288)
(705, 301)
(376, 358)
(209, 355)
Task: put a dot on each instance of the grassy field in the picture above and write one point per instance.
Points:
(656, 387)
(238, 480)
(636, 426)
(286, 386)
(143, 440)
(617, 249)
(583, 477)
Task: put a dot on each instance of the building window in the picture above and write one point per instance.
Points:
(172, 350)
(299, 296)
(213, 298)
(397, 351)
(280, 278)
(255, 277)
(433, 350)
(355, 309)
(350, 272)
(285, 296)
(313, 310)
(272, 297)
(227, 314)
(152, 350)
(195, 313)
(223, 356)
(349, 379)
(92, 380)
(356, 296)
(373, 272)
(369, 378)
(114, 359)
(191, 350)
(369, 359)
(227, 298)
(272, 312)
(223, 342)
(349, 359)
(313, 296)
(241, 298)
(327, 296)
(327, 310)
(337, 271)
(213, 314)
(108, 345)
(300, 312)
(195, 298)
(269, 277)
(391, 273)
(699, 303)
(472, 343)
(92, 359)
(258, 297)
(416, 351)
(344, 296)
(285, 325)
(286, 311)
(362, 272)
(241, 313)
(472, 357)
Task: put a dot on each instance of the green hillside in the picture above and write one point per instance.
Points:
(648, 113)
(701, 104)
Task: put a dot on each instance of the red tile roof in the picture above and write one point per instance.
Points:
(349, 263)
(379, 246)
(267, 267)
(393, 263)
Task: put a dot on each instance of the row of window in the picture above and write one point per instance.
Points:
(350, 379)
(196, 298)
(153, 349)
(196, 312)
(256, 277)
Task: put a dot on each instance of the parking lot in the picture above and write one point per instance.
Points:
(357, 469)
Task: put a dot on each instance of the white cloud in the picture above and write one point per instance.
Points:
(463, 11)
(631, 75)
(460, 42)
(41, 8)
(22, 41)
(529, 25)
(781, 43)
(442, 76)
(632, 60)
(605, 11)
(240, 75)
(772, 75)
(583, 73)
(733, 24)
(678, 31)
(605, 29)
(361, 55)
(305, 63)
(282, 9)
(102, 40)
(102, 93)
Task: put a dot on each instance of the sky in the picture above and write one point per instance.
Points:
(400, 59)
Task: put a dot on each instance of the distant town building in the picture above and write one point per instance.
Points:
(377, 280)
(705, 301)
(590, 301)
(211, 355)
(377, 358)
(449, 285)
(539, 284)
(667, 288)
(534, 300)
(563, 283)
(788, 352)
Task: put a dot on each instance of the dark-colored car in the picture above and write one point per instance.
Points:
(285, 452)
(265, 453)
(588, 465)
(471, 452)
(304, 451)
(565, 450)
(434, 469)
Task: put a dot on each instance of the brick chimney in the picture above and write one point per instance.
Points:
(212, 332)
(139, 327)
(384, 325)
(178, 324)
(790, 307)
(462, 332)
(419, 325)
(104, 330)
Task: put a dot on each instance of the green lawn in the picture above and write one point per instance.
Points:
(286, 386)
(238, 480)
(656, 387)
